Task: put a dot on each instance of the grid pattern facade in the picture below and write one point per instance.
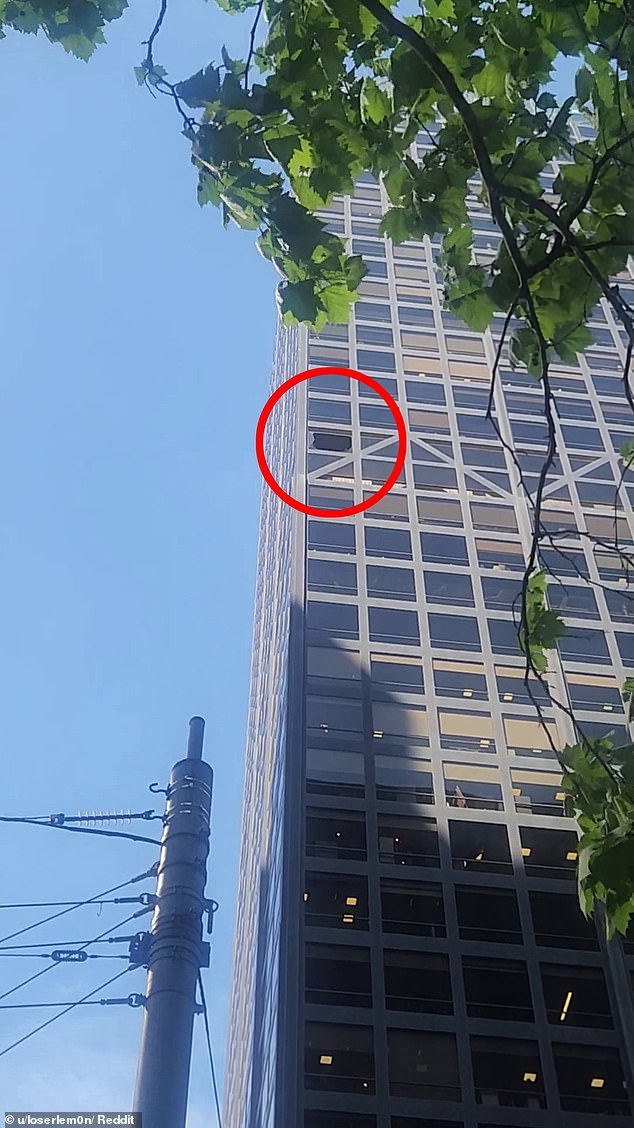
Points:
(441, 972)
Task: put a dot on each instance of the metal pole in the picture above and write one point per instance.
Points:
(176, 950)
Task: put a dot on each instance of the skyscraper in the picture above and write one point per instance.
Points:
(410, 951)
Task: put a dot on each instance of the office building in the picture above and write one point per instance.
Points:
(410, 951)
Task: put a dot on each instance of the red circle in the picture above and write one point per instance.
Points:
(299, 379)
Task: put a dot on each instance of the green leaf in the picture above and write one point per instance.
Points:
(398, 224)
(201, 88)
(584, 82)
(627, 452)
(376, 104)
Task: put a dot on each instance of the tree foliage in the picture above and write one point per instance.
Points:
(76, 24)
(332, 88)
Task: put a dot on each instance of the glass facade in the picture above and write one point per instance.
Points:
(410, 951)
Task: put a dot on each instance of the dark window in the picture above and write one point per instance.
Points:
(507, 1072)
(331, 536)
(333, 384)
(576, 996)
(338, 1058)
(423, 1065)
(373, 360)
(483, 456)
(339, 835)
(500, 517)
(440, 548)
(328, 410)
(338, 1120)
(480, 847)
(498, 989)
(573, 600)
(424, 391)
(417, 981)
(549, 853)
(503, 635)
(333, 619)
(405, 841)
(501, 595)
(625, 643)
(491, 916)
(376, 415)
(564, 561)
(329, 716)
(374, 247)
(449, 588)
(439, 478)
(390, 583)
(331, 440)
(332, 575)
(375, 335)
(372, 311)
(591, 1080)
(406, 677)
(388, 624)
(454, 632)
(582, 438)
(477, 427)
(412, 909)
(581, 644)
(620, 604)
(388, 543)
(338, 975)
(559, 922)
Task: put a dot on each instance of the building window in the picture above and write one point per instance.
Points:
(407, 841)
(401, 779)
(467, 732)
(412, 909)
(440, 548)
(549, 853)
(338, 1120)
(507, 1072)
(332, 575)
(590, 1080)
(590, 691)
(405, 675)
(332, 716)
(449, 588)
(333, 663)
(388, 624)
(576, 996)
(423, 1065)
(486, 516)
(453, 632)
(405, 723)
(573, 600)
(529, 738)
(338, 835)
(511, 686)
(390, 583)
(473, 787)
(331, 536)
(497, 989)
(559, 923)
(582, 644)
(333, 900)
(338, 975)
(337, 620)
(339, 1058)
(502, 595)
(460, 679)
(432, 511)
(392, 507)
(480, 847)
(537, 793)
(389, 544)
(328, 410)
(490, 916)
(417, 981)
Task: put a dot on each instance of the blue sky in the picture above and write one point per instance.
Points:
(136, 352)
(136, 349)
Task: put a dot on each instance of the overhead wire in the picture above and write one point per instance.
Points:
(83, 829)
(44, 970)
(151, 872)
(70, 1007)
(209, 1048)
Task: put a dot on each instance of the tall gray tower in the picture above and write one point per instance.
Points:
(409, 949)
